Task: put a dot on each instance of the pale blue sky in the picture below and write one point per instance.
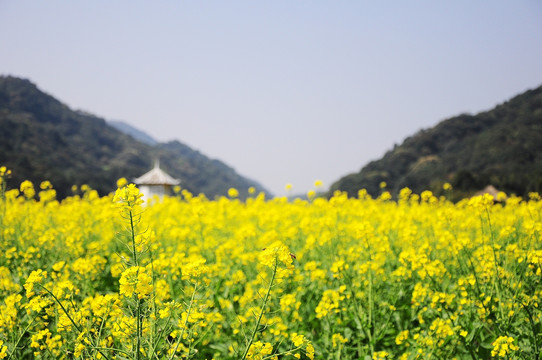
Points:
(283, 91)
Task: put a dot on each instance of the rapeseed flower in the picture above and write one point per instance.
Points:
(127, 197)
(259, 350)
(135, 281)
(401, 337)
(309, 351)
(298, 339)
(3, 350)
(34, 278)
(122, 182)
(503, 346)
(330, 303)
(4, 171)
(338, 340)
(277, 253)
(442, 328)
(380, 355)
(27, 188)
(445, 273)
(233, 193)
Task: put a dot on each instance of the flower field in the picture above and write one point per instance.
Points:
(189, 278)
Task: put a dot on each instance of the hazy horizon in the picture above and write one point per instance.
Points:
(283, 92)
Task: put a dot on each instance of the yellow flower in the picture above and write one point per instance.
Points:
(380, 355)
(35, 276)
(194, 269)
(259, 350)
(3, 350)
(338, 340)
(58, 266)
(164, 313)
(277, 253)
(79, 348)
(503, 346)
(386, 195)
(309, 351)
(135, 280)
(330, 302)
(122, 182)
(442, 328)
(298, 339)
(403, 335)
(233, 193)
(46, 185)
(127, 197)
(27, 189)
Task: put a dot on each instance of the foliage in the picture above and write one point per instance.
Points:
(500, 147)
(42, 139)
(344, 278)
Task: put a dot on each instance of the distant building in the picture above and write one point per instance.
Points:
(491, 190)
(156, 182)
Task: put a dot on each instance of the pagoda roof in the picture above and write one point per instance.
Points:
(156, 177)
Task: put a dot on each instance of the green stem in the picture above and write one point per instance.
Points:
(185, 321)
(154, 307)
(62, 307)
(266, 298)
(138, 302)
(132, 234)
(535, 333)
(20, 338)
(285, 353)
(498, 283)
(69, 317)
(154, 345)
(358, 313)
(370, 306)
(138, 330)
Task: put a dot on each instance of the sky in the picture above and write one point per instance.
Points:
(283, 91)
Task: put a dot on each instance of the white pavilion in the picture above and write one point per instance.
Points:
(156, 182)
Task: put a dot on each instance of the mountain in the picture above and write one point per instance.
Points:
(187, 161)
(501, 147)
(43, 139)
(133, 132)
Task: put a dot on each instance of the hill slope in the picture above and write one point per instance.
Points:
(502, 147)
(42, 139)
(133, 132)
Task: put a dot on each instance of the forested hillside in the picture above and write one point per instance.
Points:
(43, 139)
(501, 147)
